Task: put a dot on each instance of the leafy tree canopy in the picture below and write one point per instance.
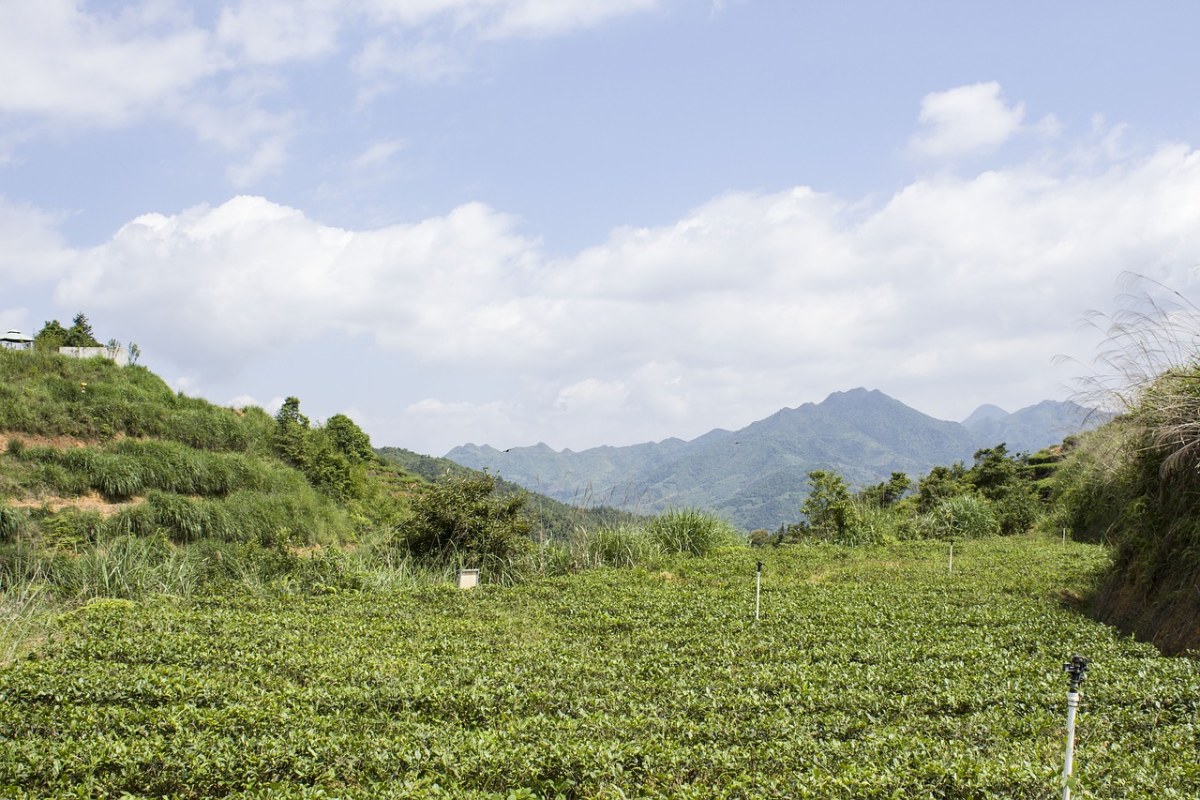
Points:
(53, 335)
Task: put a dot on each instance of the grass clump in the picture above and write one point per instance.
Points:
(961, 517)
(690, 531)
(615, 546)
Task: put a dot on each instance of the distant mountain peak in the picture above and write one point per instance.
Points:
(985, 413)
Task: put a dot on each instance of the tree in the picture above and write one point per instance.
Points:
(828, 507)
(349, 439)
(993, 473)
(291, 432)
(51, 337)
(941, 484)
(887, 493)
(80, 333)
(1006, 482)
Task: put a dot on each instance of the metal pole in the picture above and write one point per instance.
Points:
(757, 589)
(951, 557)
(1077, 669)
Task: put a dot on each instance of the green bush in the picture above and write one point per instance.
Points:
(466, 520)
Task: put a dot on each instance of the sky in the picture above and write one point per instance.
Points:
(596, 222)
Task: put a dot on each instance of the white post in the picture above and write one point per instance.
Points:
(757, 589)
(1077, 669)
(1069, 763)
(1064, 537)
(951, 570)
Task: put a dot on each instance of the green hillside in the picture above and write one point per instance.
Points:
(112, 484)
(553, 519)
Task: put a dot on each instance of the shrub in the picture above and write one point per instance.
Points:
(465, 518)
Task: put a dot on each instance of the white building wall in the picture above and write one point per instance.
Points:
(116, 354)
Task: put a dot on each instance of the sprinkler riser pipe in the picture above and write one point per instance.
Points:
(1069, 763)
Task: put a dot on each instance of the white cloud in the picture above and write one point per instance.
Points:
(89, 67)
(378, 154)
(505, 18)
(274, 31)
(966, 120)
(268, 158)
(425, 60)
(538, 18)
(71, 66)
(31, 248)
(952, 292)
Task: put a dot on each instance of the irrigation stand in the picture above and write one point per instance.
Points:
(1076, 668)
(757, 589)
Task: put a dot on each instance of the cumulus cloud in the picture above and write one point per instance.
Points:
(953, 291)
(966, 120)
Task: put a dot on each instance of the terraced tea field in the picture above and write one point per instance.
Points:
(873, 673)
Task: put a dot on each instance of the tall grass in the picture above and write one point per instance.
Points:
(962, 516)
(615, 546)
(1136, 481)
(131, 467)
(23, 613)
(690, 531)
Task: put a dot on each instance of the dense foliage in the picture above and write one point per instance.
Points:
(465, 520)
(1134, 486)
(999, 494)
(1135, 483)
(873, 673)
(53, 335)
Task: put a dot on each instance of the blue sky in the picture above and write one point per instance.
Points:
(583, 222)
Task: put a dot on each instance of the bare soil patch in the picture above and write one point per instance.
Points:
(87, 502)
(34, 440)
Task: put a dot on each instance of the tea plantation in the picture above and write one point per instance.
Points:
(874, 672)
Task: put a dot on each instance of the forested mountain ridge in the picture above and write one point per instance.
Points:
(757, 476)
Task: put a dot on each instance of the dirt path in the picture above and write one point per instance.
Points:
(87, 502)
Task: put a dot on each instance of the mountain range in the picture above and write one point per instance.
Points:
(757, 476)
